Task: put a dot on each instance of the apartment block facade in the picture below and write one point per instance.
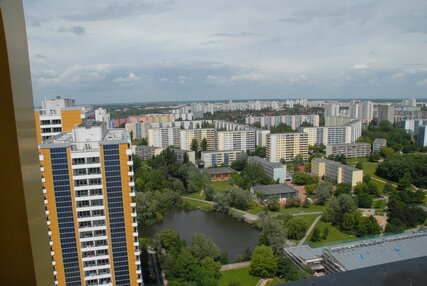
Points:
(328, 135)
(286, 146)
(59, 115)
(336, 171)
(218, 158)
(350, 150)
(88, 185)
(163, 137)
(292, 120)
(275, 171)
(237, 140)
(187, 136)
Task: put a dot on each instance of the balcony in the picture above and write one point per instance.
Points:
(130, 163)
(133, 214)
(51, 243)
(132, 194)
(41, 169)
(44, 191)
(136, 244)
(135, 234)
(41, 158)
(47, 212)
(134, 224)
(130, 173)
(131, 184)
(43, 180)
(128, 151)
(132, 205)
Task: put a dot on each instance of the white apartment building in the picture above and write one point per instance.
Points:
(294, 121)
(275, 171)
(218, 158)
(332, 109)
(286, 146)
(350, 150)
(186, 136)
(163, 137)
(241, 140)
(328, 135)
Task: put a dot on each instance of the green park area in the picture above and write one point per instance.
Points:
(334, 234)
(192, 204)
(308, 219)
(275, 281)
(238, 275)
(220, 185)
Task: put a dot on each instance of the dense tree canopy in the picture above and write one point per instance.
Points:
(264, 262)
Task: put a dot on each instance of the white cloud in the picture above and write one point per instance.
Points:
(361, 67)
(422, 82)
(130, 78)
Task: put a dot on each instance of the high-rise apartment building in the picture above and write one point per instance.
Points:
(59, 115)
(286, 146)
(236, 140)
(102, 115)
(386, 112)
(163, 137)
(332, 109)
(87, 180)
(187, 136)
(294, 121)
(327, 135)
(422, 136)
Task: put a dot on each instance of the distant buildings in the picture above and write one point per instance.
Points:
(422, 136)
(287, 146)
(186, 137)
(282, 191)
(88, 189)
(144, 118)
(350, 150)
(328, 135)
(386, 112)
(163, 137)
(363, 110)
(413, 124)
(294, 121)
(59, 115)
(359, 254)
(378, 144)
(102, 115)
(332, 109)
(220, 174)
(275, 171)
(336, 171)
(148, 152)
(218, 158)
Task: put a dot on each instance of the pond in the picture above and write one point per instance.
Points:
(230, 235)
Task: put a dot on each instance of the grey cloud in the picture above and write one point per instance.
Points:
(236, 35)
(77, 30)
(121, 11)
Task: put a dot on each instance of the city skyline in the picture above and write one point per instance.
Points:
(133, 51)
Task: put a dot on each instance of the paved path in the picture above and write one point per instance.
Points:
(382, 181)
(235, 266)
(252, 217)
(309, 230)
(263, 282)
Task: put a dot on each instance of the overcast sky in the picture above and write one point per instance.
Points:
(101, 51)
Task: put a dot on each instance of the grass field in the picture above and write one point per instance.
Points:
(220, 185)
(308, 219)
(195, 204)
(334, 234)
(275, 281)
(197, 196)
(254, 208)
(310, 208)
(239, 275)
(369, 168)
(353, 161)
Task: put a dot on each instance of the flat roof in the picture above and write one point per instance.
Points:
(404, 272)
(337, 164)
(265, 162)
(220, 170)
(274, 189)
(380, 140)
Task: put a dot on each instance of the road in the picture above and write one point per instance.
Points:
(309, 230)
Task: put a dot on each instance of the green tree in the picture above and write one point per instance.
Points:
(300, 178)
(296, 229)
(170, 241)
(211, 266)
(272, 233)
(364, 200)
(272, 203)
(343, 188)
(264, 262)
(281, 128)
(286, 269)
(338, 207)
(203, 246)
(405, 182)
(359, 165)
(325, 233)
(194, 145)
(260, 151)
(315, 237)
(323, 193)
(309, 189)
(204, 144)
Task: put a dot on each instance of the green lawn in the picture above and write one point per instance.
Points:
(195, 204)
(197, 196)
(369, 168)
(353, 161)
(275, 281)
(379, 204)
(308, 219)
(241, 275)
(254, 208)
(220, 185)
(379, 184)
(379, 212)
(334, 234)
(310, 208)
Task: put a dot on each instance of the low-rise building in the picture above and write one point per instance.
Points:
(378, 144)
(220, 174)
(282, 191)
(350, 150)
(148, 152)
(359, 254)
(275, 171)
(336, 171)
(218, 158)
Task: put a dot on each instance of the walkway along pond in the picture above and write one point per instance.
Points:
(230, 235)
